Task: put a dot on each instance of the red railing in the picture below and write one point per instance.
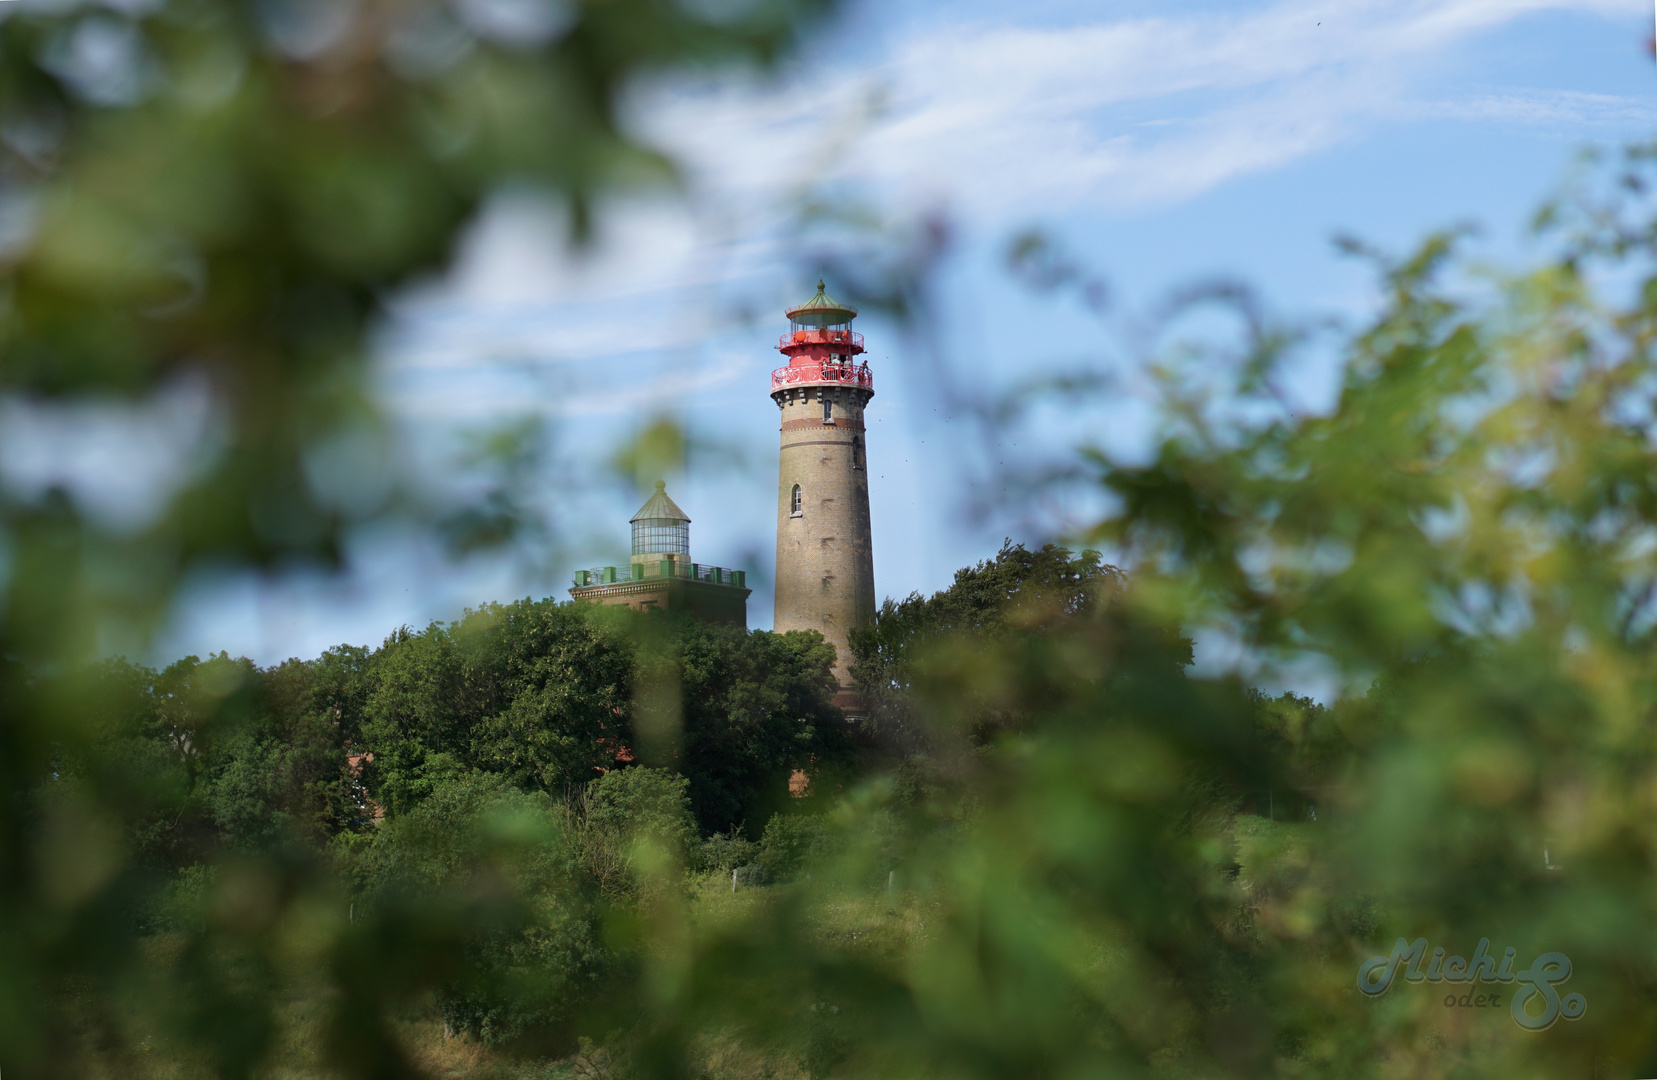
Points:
(849, 338)
(844, 373)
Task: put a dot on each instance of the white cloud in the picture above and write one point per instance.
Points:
(1004, 119)
(474, 392)
(998, 121)
(1555, 108)
(524, 323)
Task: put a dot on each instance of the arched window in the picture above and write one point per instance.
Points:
(857, 451)
(794, 501)
(828, 411)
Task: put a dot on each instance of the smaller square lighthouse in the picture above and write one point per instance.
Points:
(660, 574)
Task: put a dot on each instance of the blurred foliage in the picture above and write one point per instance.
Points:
(1106, 864)
(203, 207)
(501, 863)
(1056, 848)
(465, 798)
(912, 641)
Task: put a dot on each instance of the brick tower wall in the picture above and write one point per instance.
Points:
(825, 560)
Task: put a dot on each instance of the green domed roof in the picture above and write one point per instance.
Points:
(659, 507)
(822, 310)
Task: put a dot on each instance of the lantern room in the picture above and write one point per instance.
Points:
(821, 345)
(661, 531)
(821, 312)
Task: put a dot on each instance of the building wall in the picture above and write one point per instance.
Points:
(700, 599)
(825, 559)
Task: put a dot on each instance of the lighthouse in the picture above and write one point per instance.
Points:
(660, 575)
(825, 559)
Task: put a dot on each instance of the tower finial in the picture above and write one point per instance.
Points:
(820, 286)
(661, 485)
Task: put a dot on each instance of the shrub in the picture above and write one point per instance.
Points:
(635, 826)
(492, 868)
(724, 852)
(182, 903)
(790, 842)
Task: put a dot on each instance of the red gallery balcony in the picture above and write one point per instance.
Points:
(840, 372)
(849, 338)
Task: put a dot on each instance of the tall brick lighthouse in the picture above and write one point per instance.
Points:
(825, 560)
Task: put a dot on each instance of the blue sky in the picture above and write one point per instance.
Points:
(1159, 143)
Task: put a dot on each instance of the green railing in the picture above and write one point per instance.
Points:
(666, 568)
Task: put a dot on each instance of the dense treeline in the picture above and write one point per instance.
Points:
(542, 698)
(539, 696)
(487, 776)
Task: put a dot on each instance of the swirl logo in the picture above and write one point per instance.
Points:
(1538, 982)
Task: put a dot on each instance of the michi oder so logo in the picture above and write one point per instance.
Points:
(1376, 975)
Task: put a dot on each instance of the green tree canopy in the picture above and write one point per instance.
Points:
(757, 706)
(536, 691)
(1018, 595)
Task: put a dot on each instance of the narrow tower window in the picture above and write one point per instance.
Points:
(857, 451)
(794, 501)
(828, 411)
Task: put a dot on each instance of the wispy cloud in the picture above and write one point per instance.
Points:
(1004, 119)
(998, 120)
(523, 323)
(1553, 108)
